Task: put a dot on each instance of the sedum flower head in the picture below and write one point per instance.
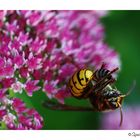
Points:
(15, 115)
(40, 50)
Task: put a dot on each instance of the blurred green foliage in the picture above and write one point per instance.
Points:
(122, 32)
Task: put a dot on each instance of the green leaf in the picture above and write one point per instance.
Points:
(3, 126)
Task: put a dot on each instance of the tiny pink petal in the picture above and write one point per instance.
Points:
(24, 72)
(9, 70)
(34, 63)
(31, 86)
(17, 87)
(7, 82)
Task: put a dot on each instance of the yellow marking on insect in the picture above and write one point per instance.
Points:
(82, 77)
(85, 75)
(74, 90)
(89, 74)
(118, 101)
(75, 94)
(79, 81)
(75, 79)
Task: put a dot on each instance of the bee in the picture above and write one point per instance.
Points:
(97, 87)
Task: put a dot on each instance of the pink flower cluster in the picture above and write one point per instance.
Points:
(131, 119)
(15, 115)
(42, 49)
(48, 46)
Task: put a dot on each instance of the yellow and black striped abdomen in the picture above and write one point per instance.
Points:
(79, 82)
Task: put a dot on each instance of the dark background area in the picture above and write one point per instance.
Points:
(122, 32)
